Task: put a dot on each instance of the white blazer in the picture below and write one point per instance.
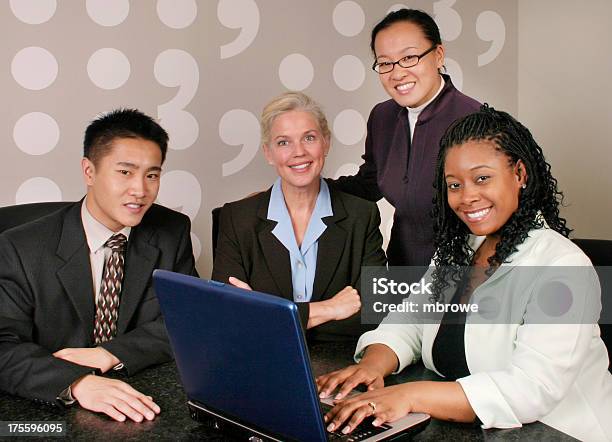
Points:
(523, 372)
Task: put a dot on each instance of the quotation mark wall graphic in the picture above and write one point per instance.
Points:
(111, 67)
(176, 68)
(239, 127)
(238, 14)
(448, 20)
(181, 191)
(490, 27)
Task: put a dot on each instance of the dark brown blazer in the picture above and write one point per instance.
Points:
(402, 171)
(248, 250)
(47, 298)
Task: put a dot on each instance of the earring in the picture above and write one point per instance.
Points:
(524, 186)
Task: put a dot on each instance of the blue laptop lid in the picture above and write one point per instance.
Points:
(241, 353)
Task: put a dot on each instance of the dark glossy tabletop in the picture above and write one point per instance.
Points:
(174, 423)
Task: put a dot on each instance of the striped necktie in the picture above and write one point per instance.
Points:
(107, 304)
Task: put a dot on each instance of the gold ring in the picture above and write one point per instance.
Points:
(373, 405)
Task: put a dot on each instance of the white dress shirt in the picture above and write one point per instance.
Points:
(414, 112)
(97, 234)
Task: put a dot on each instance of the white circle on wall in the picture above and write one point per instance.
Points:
(346, 169)
(456, 73)
(34, 68)
(182, 127)
(108, 68)
(349, 73)
(36, 133)
(108, 12)
(33, 12)
(37, 190)
(296, 72)
(396, 7)
(196, 246)
(348, 18)
(181, 191)
(177, 14)
(349, 127)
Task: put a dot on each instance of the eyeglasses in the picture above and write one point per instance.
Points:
(408, 61)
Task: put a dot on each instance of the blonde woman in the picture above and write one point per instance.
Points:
(300, 239)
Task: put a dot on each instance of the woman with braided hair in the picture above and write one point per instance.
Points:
(499, 240)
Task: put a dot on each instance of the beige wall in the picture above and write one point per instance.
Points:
(205, 69)
(565, 96)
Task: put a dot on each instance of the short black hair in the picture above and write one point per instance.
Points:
(121, 123)
(420, 18)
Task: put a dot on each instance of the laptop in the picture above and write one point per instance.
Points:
(244, 364)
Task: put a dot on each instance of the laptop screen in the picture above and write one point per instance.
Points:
(242, 354)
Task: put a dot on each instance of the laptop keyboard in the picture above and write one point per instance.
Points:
(363, 431)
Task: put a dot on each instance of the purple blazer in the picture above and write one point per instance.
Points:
(403, 172)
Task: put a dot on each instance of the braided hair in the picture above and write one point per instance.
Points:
(541, 195)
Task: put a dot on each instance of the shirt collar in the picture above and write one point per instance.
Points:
(97, 233)
(277, 211)
(417, 110)
(316, 226)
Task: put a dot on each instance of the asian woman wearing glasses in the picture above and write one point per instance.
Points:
(404, 132)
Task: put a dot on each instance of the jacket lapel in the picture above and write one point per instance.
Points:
(331, 246)
(75, 273)
(139, 265)
(275, 254)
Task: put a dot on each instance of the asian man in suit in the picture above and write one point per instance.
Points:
(76, 298)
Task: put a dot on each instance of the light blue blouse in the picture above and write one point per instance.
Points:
(304, 258)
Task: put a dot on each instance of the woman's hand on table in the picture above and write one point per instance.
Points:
(385, 404)
(348, 378)
(378, 361)
(442, 400)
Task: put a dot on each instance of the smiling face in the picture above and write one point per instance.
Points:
(297, 149)
(482, 185)
(124, 183)
(413, 86)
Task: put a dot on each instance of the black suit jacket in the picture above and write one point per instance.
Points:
(47, 298)
(248, 250)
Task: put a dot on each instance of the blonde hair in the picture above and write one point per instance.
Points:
(291, 101)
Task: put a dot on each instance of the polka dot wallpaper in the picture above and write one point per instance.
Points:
(205, 69)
